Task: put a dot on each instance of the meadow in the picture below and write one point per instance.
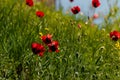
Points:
(86, 52)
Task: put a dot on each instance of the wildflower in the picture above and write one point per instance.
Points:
(29, 3)
(53, 46)
(75, 9)
(41, 34)
(95, 16)
(115, 35)
(95, 3)
(47, 39)
(117, 45)
(47, 29)
(81, 13)
(38, 49)
(86, 22)
(39, 14)
(71, 0)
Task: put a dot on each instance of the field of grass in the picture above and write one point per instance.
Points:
(86, 53)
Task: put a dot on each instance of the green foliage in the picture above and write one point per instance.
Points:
(86, 53)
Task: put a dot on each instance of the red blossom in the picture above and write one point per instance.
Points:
(53, 46)
(115, 35)
(75, 9)
(95, 3)
(38, 49)
(29, 3)
(47, 39)
(40, 13)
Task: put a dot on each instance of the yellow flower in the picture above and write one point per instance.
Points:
(47, 29)
(41, 34)
(117, 45)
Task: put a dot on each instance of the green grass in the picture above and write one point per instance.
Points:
(86, 53)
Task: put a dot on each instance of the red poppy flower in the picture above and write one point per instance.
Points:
(39, 14)
(95, 3)
(29, 2)
(53, 46)
(38, 49)
(71, 0)
(75, 9)
(115, 35)
(47, 39)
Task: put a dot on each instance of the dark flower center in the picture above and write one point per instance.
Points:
(36, 51)
(48, 40)
(114, 38)
(53, 48)
(76, 11)
(95, 5)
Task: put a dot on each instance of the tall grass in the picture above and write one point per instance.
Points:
(86, 53)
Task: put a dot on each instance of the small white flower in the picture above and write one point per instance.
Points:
(86, 22)
(81, 13)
